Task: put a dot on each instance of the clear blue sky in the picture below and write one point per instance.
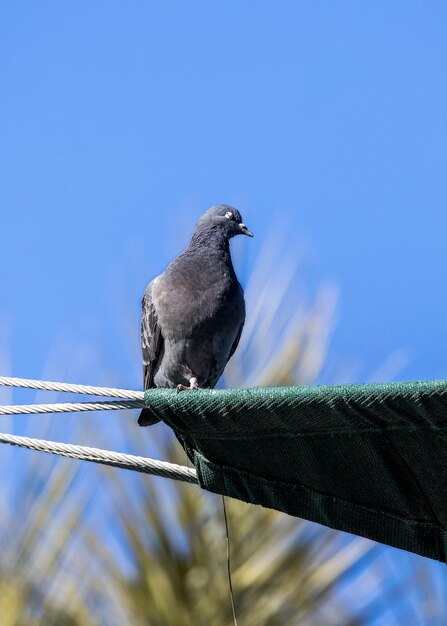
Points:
(122, 121)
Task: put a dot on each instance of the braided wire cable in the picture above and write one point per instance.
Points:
(89, 390)
(105, 457)
(130, 399)
(66, 407)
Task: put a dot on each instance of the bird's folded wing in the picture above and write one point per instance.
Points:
(151, 337)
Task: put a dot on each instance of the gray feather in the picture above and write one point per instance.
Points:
(194, 313)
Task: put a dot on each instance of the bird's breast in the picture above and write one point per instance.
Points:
(192, 300)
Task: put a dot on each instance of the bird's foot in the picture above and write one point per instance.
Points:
(192, 385)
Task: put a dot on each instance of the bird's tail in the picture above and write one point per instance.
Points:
(148, 418)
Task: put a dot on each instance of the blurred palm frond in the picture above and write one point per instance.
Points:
(85, 545)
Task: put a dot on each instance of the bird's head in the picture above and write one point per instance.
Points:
(226, 219)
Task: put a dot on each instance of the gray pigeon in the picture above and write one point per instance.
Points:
(193, 313)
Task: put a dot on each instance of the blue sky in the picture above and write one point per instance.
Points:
(123, 121)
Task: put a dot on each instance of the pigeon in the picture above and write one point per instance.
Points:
(194, 312)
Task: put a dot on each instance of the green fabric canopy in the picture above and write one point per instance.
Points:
(366, 459)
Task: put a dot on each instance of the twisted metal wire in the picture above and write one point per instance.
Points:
(130, 400)
(105, 457)
(89, 390)
(67, 407)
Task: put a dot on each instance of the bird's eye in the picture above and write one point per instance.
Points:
(229, 215)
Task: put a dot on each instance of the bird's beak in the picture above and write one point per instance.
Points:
(244, 230)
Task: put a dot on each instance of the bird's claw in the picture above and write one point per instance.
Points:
(192, 385)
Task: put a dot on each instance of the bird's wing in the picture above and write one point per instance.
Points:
(151, 337)
(236, 341)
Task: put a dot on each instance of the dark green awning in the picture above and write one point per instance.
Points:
(366, 459)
